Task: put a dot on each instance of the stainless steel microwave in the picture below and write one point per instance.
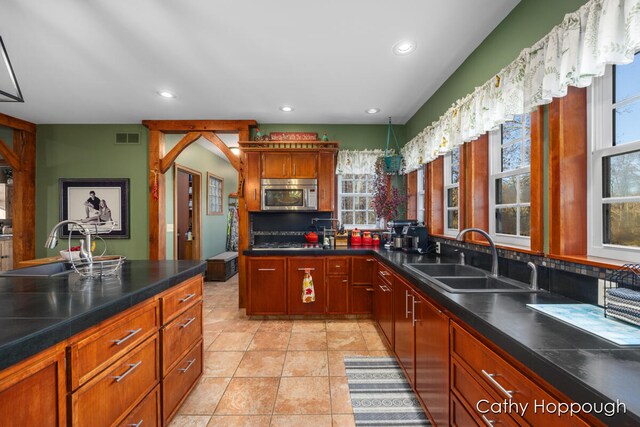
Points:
(289, 194)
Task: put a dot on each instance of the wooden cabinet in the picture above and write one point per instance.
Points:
(267, 285)
(147, 412)
(337, 285)
(180, 335)
(180, 380)
(251, 183)
(180, 298)
(289, 165)
(32, 393)
(326, 181)
(403, 319)
(361, 299)
(432, 359)
(363, 270)
(383, 302)
(295, 275)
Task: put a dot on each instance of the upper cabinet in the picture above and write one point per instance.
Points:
(289, 165)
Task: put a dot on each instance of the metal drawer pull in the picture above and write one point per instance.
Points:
(369, 289)
(131, 334)
(487, 421)
(345, 281)
(415, 301)
(370, 259)
(190, 321)
(189, 363)
(302, 269)
(337, 266)
(491, 378)
(187, 298)
(138, 424)
(266, 269)
(383, 273)
(406, 304)
(132, 367)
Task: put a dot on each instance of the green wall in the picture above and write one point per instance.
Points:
(351, 137)
(214, 227)
(527, 23)
(89, 151)
(6, 135)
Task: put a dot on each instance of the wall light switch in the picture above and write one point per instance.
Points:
(169, 228)
(438, 247)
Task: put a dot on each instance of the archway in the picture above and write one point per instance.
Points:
(159, 163)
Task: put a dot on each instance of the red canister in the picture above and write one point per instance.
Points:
(366, 238)
(356, 239)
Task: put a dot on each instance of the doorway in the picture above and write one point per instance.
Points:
(187, 213)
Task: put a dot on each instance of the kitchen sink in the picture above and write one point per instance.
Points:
(55, 269)
(442, 270)
(458, 278)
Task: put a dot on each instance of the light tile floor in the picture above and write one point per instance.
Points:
(277, 373)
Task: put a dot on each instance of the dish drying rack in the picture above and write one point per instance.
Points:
(622, 294)
(96, 266)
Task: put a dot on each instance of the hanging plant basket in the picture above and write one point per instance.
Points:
(392, 164)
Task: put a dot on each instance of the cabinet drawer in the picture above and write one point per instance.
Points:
(179, 299)
(476, 398)
(147, 413)
(180, 335)
(338, 265)
(385, 276)
(459, 415)
(95, 352)
(114, 392)
(505, 380)
(179, 382)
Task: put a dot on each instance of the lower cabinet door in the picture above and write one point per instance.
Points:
(296, 270)
(404, 337)
(180, 380)
(361, 299)
(337, 294)
(113, 393)
(147, 413)
(267, 286)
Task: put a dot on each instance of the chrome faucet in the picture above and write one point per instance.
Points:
(534, 276)
(85, 246)
(494, 251)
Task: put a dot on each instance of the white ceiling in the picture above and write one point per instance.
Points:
(103, 61)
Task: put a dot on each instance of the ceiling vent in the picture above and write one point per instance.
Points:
(127, 138)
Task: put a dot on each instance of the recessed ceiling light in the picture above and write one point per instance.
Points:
(286, 108)
(372, 110)
(166, 94)
(404, 47)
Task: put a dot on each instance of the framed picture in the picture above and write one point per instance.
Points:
(215, 192)
(93, 201)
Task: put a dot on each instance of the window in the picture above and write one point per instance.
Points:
(214, 195)
(420, 194)
(614, 164)
(451, 191)
(509, 182)
(354, 201)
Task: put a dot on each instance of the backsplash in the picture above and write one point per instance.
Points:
(283, 226)
(575, 281)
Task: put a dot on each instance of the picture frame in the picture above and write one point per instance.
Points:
(113, 193)
(215, 194)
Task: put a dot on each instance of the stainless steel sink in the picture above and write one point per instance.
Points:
(442, 270)
(55, 269)
(458, 278)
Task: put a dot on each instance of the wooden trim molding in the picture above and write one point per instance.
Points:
(435, 190)
(411, 184)
(181, 126)
(17, 124)
(536, 181)
(476, 195)
(568, 174)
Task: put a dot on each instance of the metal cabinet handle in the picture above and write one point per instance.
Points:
(337, 266)
(370, 260)
(383, 273)
(415, 301)
(131, 334)
(190, 321)
(187, 298)
(345, 281)
(302, 269)
(406, 304)
(138, 424)
(369, 289)
(189, 363)
(266, 269)
(487, 421)
(132, 367)
(491, 378)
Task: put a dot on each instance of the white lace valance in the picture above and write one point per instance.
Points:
(601, 32)
(357, 162)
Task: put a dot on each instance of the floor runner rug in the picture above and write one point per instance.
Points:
(380, 393)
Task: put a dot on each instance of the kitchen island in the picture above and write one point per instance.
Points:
(119, 349)
(568, 364)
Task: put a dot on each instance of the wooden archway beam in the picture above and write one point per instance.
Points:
(9, 155)
(215, 140)
(171, 156)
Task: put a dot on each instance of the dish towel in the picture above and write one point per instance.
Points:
(308, 292)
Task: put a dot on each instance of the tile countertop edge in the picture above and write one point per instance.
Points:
(32, 343)
(537, 359)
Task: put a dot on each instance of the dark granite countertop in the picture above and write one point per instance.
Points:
(36, 313)
(586, 368)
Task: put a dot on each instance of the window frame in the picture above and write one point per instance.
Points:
(447, 185)
(213, 182)
(420, 194)
(600, 142)
(339, 200)
(495, 173)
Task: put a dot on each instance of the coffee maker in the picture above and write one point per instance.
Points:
(397, 233)
(415, 239)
